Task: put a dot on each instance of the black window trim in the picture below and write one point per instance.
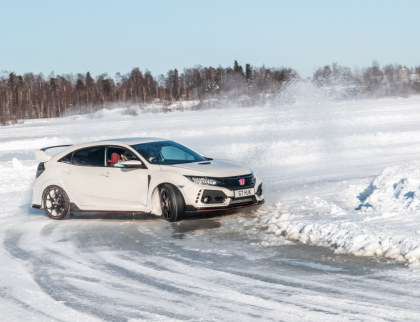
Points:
(105, 148)
(83, 165)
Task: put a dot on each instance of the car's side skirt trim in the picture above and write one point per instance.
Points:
(110, 212)
(77, 210)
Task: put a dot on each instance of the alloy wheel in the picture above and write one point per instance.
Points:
(55, 202)
(165, 203)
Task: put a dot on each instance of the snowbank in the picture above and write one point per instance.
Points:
(385, 224)
(397, 189)
(16, 176)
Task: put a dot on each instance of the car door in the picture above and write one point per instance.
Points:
(81, 176)
(123, 189)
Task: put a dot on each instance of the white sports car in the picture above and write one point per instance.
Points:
(140, 175)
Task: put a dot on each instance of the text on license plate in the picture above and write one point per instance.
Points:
(244, 193)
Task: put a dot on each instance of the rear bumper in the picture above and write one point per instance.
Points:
(192, 209)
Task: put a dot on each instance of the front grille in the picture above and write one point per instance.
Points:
(242, 201)
(233, 182)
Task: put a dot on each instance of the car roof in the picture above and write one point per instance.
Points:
(122, 141)
(131, 141)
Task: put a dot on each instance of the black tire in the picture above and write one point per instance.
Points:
(171, 202)
(56, 203)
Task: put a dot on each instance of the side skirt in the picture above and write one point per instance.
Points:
(77, 210)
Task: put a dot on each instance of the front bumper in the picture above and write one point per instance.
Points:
(220, 198)
(192, 209)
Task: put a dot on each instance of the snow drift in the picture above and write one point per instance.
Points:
(397, 189)
(386, 223)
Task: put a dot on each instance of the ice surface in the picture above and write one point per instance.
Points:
(320, 160)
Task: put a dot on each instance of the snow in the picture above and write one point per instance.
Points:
(385, 224)
(340, 175)
(396, 189)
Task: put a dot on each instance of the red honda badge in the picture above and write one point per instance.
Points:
(241, 182)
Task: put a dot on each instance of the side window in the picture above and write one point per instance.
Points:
(93, 157)
(173, 153)
(114, 154)
(67, 158)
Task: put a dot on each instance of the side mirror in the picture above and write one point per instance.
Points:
(133, 164)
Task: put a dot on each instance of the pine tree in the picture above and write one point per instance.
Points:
(238, 68)
(176, 84)
(249, 75)
(106, 86)
(90, 91)
(53, 83)
(89, 80)
(80, 84)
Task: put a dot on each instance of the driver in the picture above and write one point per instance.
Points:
(153, 154)
(127, 156)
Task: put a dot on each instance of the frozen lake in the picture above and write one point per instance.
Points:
(314, 156)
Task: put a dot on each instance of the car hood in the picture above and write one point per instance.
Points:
(215, 168)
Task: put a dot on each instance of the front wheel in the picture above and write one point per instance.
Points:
(56, 203)
(171, 202)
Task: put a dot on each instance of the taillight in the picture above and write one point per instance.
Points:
(40, 169)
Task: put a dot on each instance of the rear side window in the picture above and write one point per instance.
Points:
(93, 157)
(67, 158)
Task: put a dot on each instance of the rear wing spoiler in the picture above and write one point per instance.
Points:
(41, 156)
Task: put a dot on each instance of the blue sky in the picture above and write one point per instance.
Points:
(116, 36)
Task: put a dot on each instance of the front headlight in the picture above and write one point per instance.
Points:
(204, 180)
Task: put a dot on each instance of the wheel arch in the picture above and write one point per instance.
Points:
(153, 194)
(43, 187)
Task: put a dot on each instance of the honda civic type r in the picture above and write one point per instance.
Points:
(140, 175)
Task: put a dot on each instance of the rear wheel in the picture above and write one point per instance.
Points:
(56, 203)
(171, 202)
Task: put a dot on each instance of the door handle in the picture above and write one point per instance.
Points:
(105, 174)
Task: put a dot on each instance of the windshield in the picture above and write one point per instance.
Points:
(167, 152)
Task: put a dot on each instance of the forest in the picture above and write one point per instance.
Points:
(30, 96)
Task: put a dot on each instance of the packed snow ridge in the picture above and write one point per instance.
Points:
(397, 189)
(386, 223)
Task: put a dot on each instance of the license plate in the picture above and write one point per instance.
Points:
(244, 193)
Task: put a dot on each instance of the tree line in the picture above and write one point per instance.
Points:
(372, 81)
(36, 96)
